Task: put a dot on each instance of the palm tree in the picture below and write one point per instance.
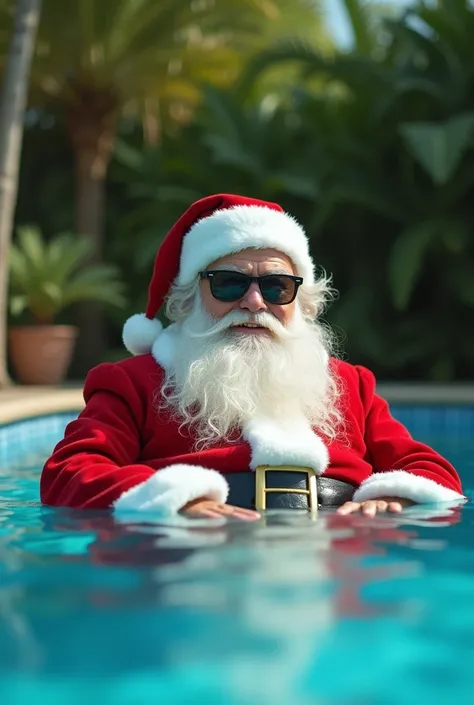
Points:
(12, 107)
(97, 61)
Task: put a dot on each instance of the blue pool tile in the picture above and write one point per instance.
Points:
(27, 441)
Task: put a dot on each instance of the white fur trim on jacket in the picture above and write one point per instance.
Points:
(139, 333)
(290, 443)
(237, 228)
(400, 483)
(168, 490)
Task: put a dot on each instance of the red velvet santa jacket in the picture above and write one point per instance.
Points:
(110, 455)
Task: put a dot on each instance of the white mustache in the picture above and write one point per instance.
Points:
(235, 318)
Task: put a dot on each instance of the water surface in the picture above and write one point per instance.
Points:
(292, 611)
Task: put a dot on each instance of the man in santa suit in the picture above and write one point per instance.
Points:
(240, 403)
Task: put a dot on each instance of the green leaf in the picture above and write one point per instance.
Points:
(65, 254)
(421, 43)
(97, 274)
(18, 269)
(361, 22)
(111, 294)
(451, 30)
(439, 147)
(126, 155)
(406, 259)
(99, 283)
(17, 305)
(32, 246)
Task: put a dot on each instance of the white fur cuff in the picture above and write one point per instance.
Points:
(168, 490)
(400, 483)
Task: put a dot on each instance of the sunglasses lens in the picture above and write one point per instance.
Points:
(278, 289)
(232, 286)
(229, 286)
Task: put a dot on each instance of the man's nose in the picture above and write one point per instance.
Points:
(253, 300)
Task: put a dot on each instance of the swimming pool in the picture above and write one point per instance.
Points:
(338, 611)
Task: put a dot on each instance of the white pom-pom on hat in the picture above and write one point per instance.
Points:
(139, 333)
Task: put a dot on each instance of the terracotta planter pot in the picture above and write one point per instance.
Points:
(41, 354)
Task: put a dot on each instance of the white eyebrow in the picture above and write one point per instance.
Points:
(280, 271)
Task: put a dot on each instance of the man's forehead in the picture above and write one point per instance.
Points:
(249, 259)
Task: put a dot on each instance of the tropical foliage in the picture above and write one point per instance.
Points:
(97, 63)
(47, 278)
(378, 165)
(372, 150)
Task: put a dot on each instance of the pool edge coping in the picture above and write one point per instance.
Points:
(455, 394)
(21, 403)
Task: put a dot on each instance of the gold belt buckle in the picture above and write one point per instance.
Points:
(261, 488)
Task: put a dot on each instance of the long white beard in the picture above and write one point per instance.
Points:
(222, 379)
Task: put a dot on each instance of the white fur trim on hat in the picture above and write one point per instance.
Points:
(400, 483)
(232, 230)
(139, 333)
(170, 489)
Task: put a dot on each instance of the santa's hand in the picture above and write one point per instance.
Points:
(371, 507)
(214, 510)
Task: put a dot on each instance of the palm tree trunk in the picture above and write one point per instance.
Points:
(92, 124)
(90, 197)
(90, 204)
(12, 108)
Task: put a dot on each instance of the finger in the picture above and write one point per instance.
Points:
(369, 509)
(243, 510)
(238, 512)
(349, 507)
(246, 514)
(209, 513)
(382, 505)
(395, 507)
(223, 509)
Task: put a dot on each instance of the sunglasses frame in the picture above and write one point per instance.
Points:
(211, 273)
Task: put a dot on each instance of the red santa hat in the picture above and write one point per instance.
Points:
(211, 228)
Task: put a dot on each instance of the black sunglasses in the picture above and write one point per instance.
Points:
(230, 286)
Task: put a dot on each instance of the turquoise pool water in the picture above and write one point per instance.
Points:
(338, 611)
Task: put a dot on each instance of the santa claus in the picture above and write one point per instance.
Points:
(240, 403)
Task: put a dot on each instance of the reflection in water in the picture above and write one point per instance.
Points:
(234, 612)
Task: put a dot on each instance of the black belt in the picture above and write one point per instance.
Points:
(286, 488)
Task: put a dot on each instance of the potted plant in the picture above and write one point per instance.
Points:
(45, 279)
